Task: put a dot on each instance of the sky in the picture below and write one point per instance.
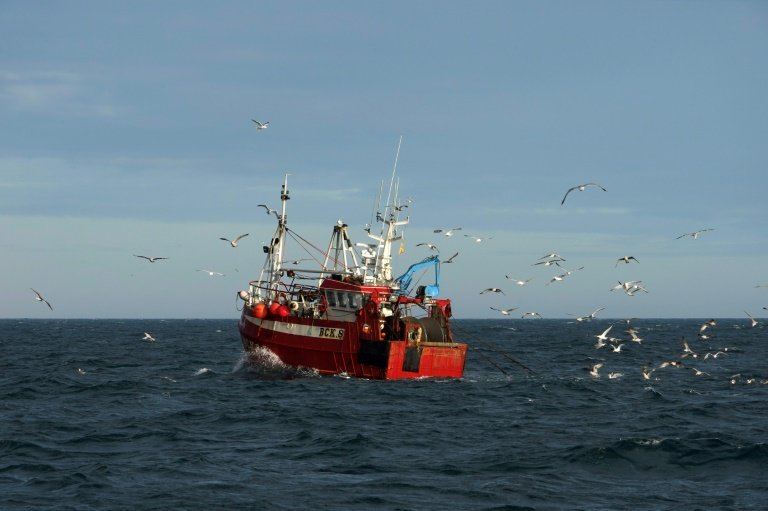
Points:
(126, 130)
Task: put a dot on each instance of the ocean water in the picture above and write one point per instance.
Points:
(93, 417)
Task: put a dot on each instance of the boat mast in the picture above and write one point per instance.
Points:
(275, 249)
(389, 224)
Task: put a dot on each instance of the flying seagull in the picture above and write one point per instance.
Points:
(532, 314)
(261, 125)
(40, 298)
(518, 281)
(212, 273)
(492, 290)
(477, 239)
(589, 317)
(147, 337)
(233, 242)
(580, 188)
(450, 259)
(694, 234)
(269, 210)
(428, 245)
(625, 260)
(504, 311)
(151, 259)
(447, 232)
(753, 320)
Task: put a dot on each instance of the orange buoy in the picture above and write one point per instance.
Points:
(273, 307)
(283, 311)
(260, 311)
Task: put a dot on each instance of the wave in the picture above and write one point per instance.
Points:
(727, 458)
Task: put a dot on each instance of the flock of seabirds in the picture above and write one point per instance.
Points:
(604, 340)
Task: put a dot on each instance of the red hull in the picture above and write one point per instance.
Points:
(336, 347)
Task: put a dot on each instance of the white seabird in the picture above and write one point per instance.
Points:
(450, 259)
(626, 260)
(233, 242)
(429, 246)
(40, 298)
(447, 232)
(604, 336)
(261, 125)
(518, 281)
(492, 290)
(147, 337)
(477, 239)
(505, 311)
(151, 259)
(694, 234)
(212, 273)
(580, 188)
(268, 209)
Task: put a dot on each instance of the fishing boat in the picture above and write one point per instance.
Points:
(350, 315)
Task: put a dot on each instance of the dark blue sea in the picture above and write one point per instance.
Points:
(94, 418)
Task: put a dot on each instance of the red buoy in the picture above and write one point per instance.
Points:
(260, 311)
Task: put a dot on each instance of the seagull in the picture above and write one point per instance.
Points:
(553, 256)
(147, 337)
(261, 125)
(505, 311)
(450, 259)
(625, 259)
(532, 314)
(697, 372)
(635, 338)
(40, 298)
(634, 288)
(754, 321)
(593, 371)
(707, 324)
(647, 373)
(447, 232)
(428, 245)
(492, 290)
(295, 262)
(580, 188)
(667, 363)
(212, 273)
(233, 242)
(557, 278)
(614, 375)
(590, 316)
(604, 336)
(151, 259)
(269, 210)
(477, 239)
(519, 282)
(694, 234)
(549, 262)
(687, 351)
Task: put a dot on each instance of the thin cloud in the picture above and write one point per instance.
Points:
(51, 91)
